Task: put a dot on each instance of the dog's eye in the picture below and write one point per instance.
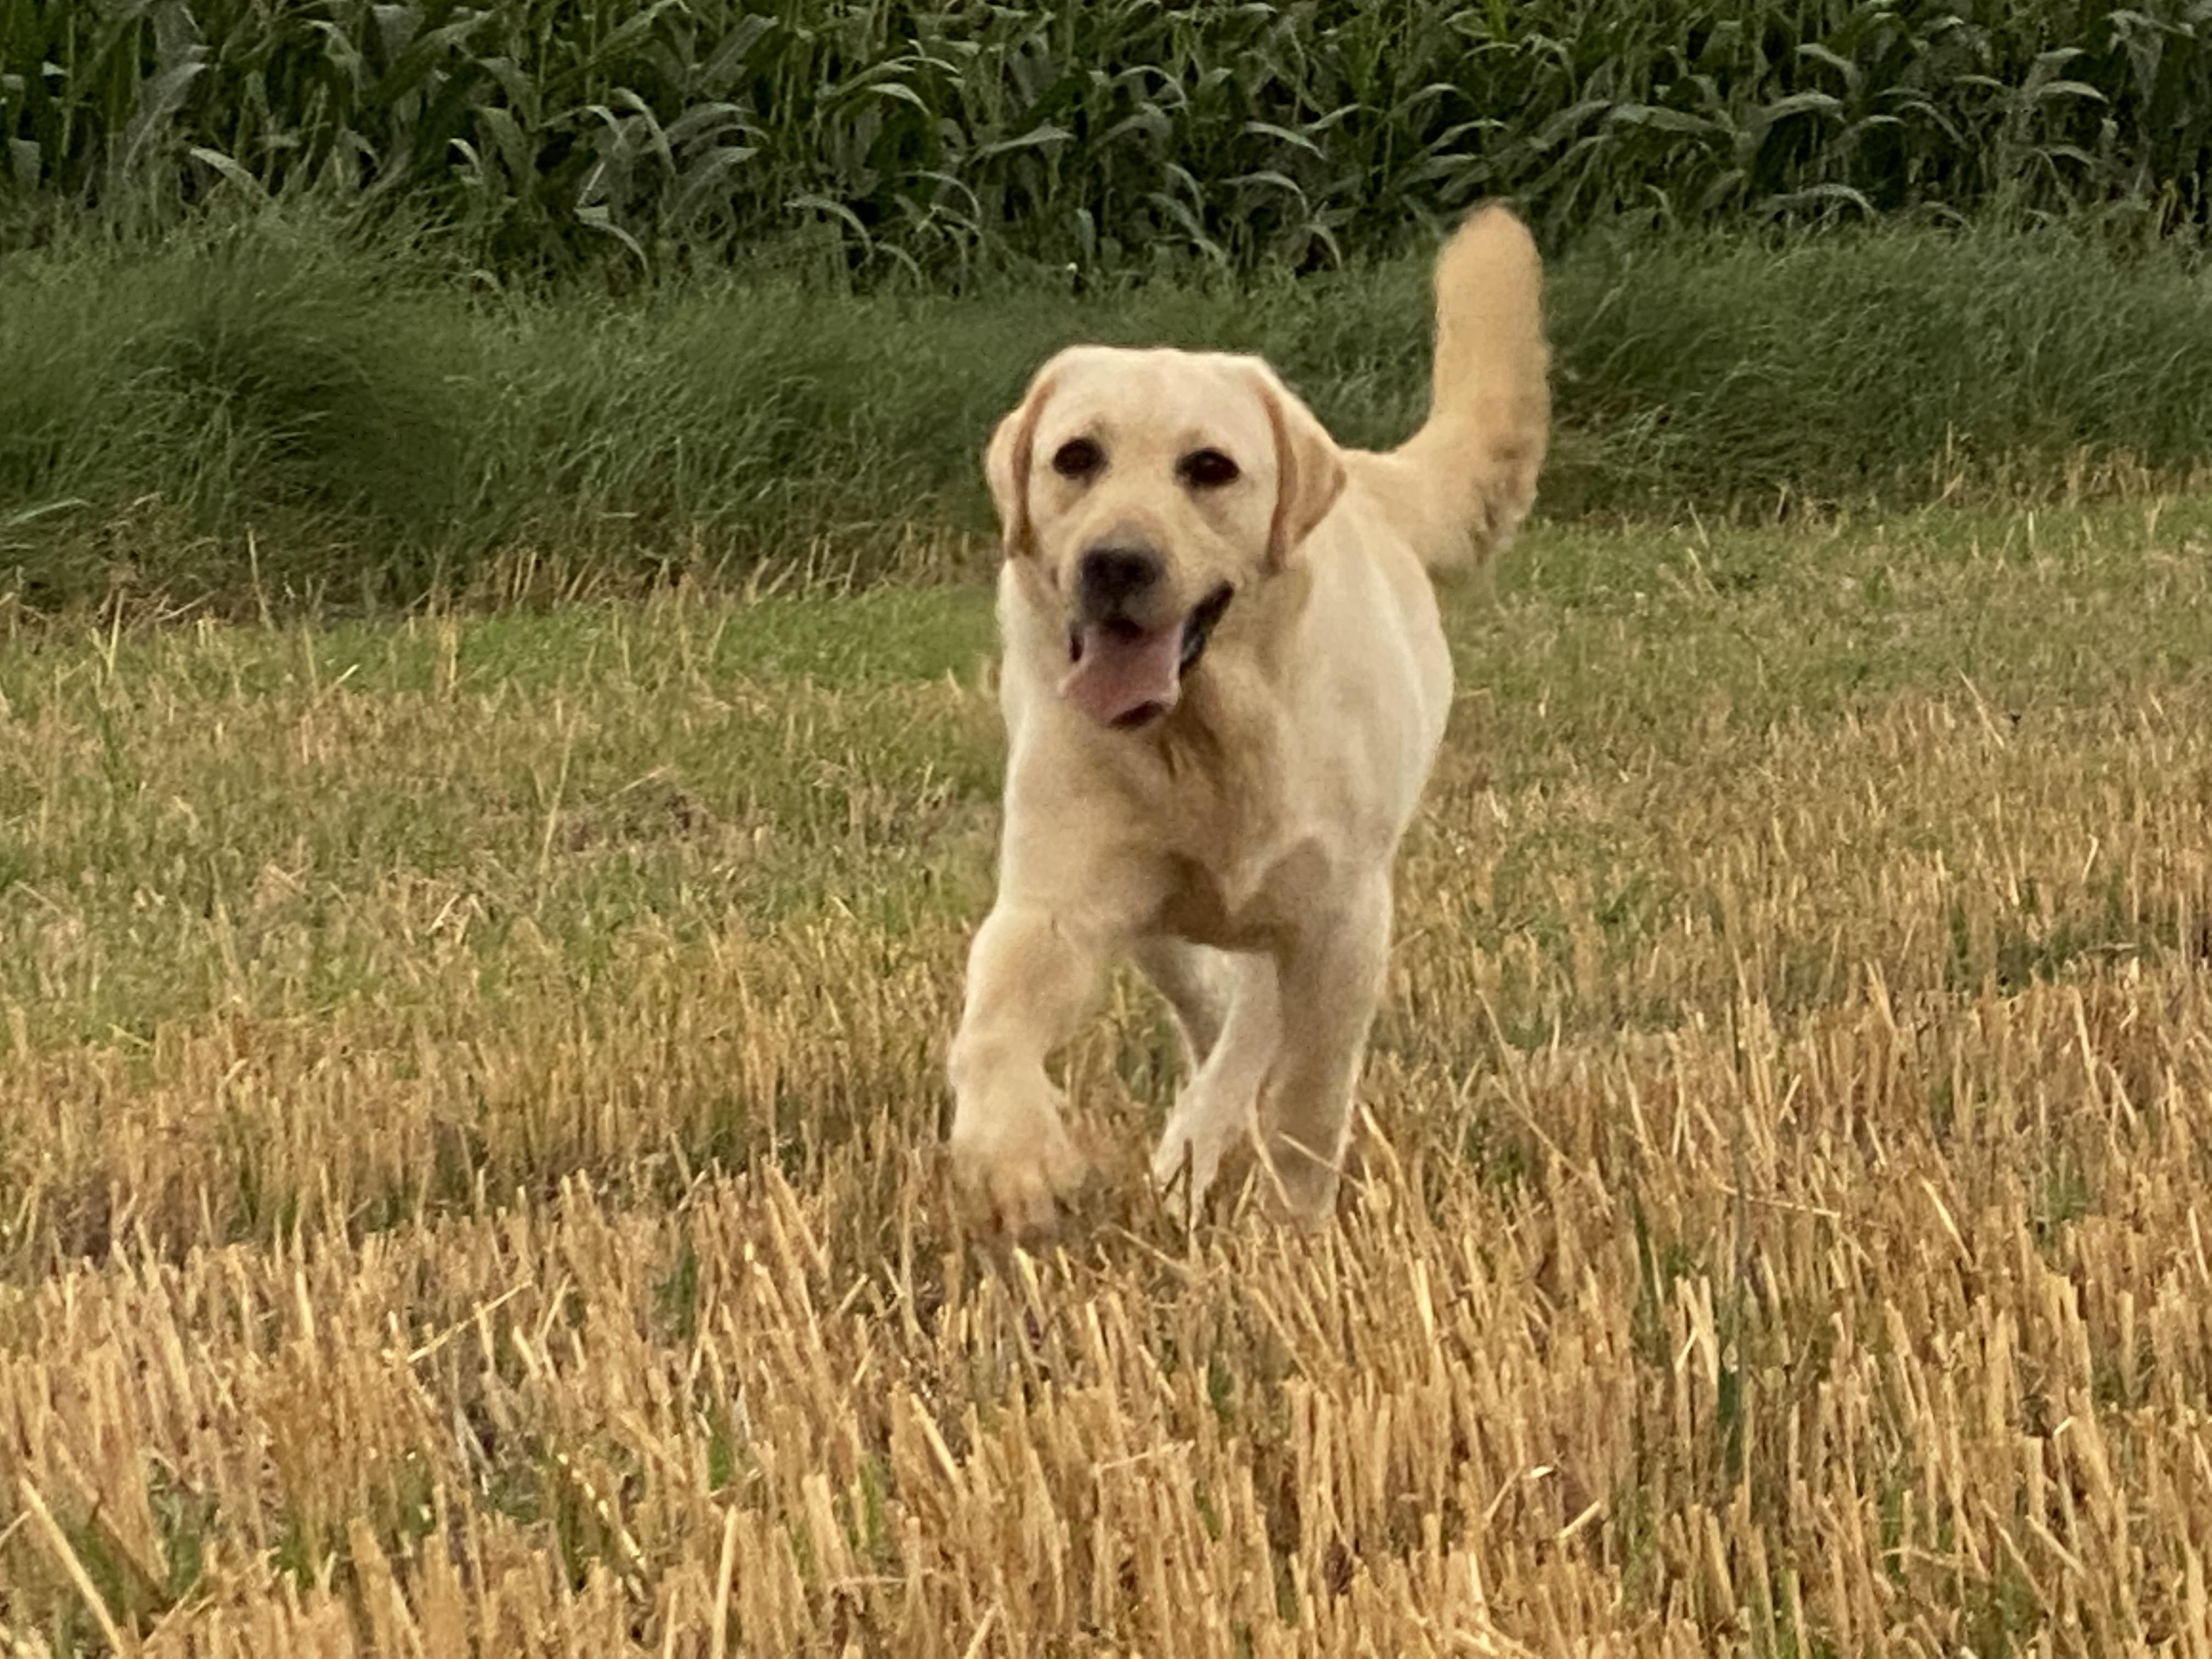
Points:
(1078, 457)
(1208, 469)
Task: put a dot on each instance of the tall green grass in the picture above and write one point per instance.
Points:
(278, 409)
(954, 138)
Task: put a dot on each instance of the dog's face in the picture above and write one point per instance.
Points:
(1151, 488)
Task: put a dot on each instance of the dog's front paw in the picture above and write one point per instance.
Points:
(1016, 1163)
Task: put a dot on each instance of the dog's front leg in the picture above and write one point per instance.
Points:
(1331, 971)
(1032, 975)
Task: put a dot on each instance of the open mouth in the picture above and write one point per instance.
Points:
(1125, 676)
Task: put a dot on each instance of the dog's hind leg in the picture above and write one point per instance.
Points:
(1218, 1107)
(1197, 980)
(1332, 979)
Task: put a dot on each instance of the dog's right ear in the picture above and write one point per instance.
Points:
(1007, 468)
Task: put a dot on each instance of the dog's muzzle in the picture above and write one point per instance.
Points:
(1124, 675)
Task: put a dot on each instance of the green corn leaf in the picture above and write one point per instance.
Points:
(1800, 103)
(232, 174)
(1655, 116)
(1043, 137)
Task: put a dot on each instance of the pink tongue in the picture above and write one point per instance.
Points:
(1123, 670)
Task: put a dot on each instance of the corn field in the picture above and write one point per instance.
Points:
(541, 135)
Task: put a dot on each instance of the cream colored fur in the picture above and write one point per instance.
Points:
(1239, 847)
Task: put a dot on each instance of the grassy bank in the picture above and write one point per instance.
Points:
(271, 411)
(467, 1088)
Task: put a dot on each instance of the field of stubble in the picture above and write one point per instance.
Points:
(468, 1186)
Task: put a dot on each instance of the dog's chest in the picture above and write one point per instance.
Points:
(1242, 861)
(1247, 903)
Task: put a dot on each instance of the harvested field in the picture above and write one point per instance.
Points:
(468, 1184)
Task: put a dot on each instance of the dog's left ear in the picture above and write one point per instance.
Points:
(1308, 468)
(1006, 467)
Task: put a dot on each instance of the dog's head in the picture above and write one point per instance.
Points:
(1151, 488)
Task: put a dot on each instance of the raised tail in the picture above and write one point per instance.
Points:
(1460, 487)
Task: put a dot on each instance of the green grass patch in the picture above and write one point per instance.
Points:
(273, 819)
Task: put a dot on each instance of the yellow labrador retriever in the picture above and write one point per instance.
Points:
(1225, 684)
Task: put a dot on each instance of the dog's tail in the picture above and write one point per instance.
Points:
(1460, 487)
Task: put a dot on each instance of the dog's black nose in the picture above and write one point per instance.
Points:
(1108, 578)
